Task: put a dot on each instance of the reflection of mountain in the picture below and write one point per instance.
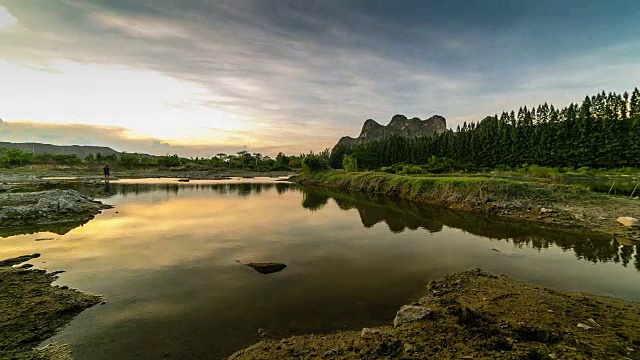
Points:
(400, 215)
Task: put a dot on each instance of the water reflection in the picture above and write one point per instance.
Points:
(58, 229)
(111, 189)
(168, 259)
(397, 214)
(401, 215)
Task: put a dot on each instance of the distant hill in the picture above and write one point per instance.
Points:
(80, 150)
(399, 125)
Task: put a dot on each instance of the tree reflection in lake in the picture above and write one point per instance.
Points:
(400, 215)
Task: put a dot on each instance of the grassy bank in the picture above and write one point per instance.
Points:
(568, 205)
(480, 194)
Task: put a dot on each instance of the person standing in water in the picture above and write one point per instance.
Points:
(107, 172)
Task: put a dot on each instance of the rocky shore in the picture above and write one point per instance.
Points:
(32, 310)
(19, 209)
(477, 315)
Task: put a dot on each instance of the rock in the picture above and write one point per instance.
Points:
(628, 221)
(399, 125)
(583, 326)
(18, 260)
(546, 211)
(265, 268)
(333, 352)
(46, 207)
(410, 313)
(368, 333)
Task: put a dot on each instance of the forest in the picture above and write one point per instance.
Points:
(601, 132)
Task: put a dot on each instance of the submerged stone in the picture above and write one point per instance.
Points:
(265, 268)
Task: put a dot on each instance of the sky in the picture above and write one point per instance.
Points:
(199, 77)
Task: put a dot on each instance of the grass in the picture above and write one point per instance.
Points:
(476, 193)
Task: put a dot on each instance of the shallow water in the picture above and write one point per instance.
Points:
(165, 260)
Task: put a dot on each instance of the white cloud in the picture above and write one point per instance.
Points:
(6, 19)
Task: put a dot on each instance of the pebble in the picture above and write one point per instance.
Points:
(368, 333)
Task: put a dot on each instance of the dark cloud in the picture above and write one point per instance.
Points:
(300, 69)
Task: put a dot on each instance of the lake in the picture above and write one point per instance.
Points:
(166, 260)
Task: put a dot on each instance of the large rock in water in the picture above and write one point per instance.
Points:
(400, 125)
(46, 207)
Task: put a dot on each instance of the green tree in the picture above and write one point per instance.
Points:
(350, 164)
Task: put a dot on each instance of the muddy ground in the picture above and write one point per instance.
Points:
(476, 315)
(31, 310)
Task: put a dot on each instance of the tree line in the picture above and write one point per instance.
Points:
(601, 132)
(10, 157)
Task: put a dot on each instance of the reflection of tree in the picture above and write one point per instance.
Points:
(242, 189)
(60, 229)
(99, 190)
(313, 199)
(400, 215)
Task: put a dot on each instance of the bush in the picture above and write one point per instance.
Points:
(280, 167)
(553, 174)
(411, 169)
(349, 163)
(314, 163)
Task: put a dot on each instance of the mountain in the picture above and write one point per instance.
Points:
(399, 125)
(79, 150)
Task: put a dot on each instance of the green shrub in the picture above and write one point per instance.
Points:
(314, 163)
(349, 164)
(280, 167)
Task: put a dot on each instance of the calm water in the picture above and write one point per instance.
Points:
(166, 263)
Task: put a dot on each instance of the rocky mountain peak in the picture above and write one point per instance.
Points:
(399, 125)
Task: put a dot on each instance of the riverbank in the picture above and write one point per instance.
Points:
(38, 174)
(567, 205)
(476, 315)
(32, 310)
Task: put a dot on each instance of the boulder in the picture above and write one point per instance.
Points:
(46, 207)
(411, 313)
(265, 268)
(628, 221)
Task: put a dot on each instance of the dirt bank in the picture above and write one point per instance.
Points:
(567, 205)
(31, 310)
(476, 315)
(46, 208)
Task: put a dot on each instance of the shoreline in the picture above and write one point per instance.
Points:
(475, 314)
(545, 204)
(26, 324)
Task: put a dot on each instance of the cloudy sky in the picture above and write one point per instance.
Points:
(199, 77)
